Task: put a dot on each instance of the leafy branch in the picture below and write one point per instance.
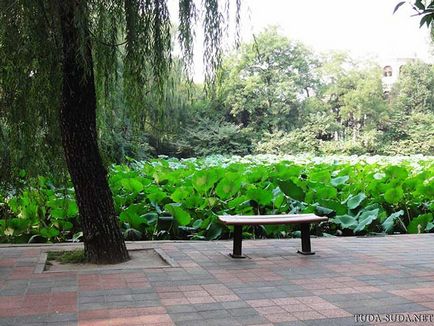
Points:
(424, 10)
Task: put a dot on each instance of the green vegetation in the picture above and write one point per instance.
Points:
(273, 95)
(180, 199)
(80, 76)
(67, 257)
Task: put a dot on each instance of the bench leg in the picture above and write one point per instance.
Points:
(238, 238)
(305, 240)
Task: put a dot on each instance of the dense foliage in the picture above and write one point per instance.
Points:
(180, 199)
(273, 95)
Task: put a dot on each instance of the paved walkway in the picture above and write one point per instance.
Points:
(390, 278)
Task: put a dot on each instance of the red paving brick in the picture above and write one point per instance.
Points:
(274, 285)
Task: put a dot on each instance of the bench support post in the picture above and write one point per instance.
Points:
(238, 238)
(305, 240)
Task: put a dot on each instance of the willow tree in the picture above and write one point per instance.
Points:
(56, 56)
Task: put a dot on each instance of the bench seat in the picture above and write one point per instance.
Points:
(238, 221)
(271, 219)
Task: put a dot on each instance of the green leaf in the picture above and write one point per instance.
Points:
(132, 216)
(354, 201)
(366, 218)
(290, 189)
(157, 196)
(345, 221)
(278, 197)
(379, 176)
(429, 227)
(151, 218)
(320, 176)
(48, 232)
(418, 224)
(132, 234)
(181, 193)
(187, 196)
(237, 201)
(394, 195)
(132, 185)
(334, 205)
(427, 19)
(419, 4)
(389, 222)
(324, 211)
(203, 180)
(261, 196)
(286, 170)
(228, 186)
(72, 209)
(326, 192)
(58, 213)
(339, 181)
(77, 236)
(197, 224)
(180, 215)
(396, 172)
(214, 231)
(397, 6)
(67, 225)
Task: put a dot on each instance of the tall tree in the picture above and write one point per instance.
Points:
(265, 83)
(64, 51)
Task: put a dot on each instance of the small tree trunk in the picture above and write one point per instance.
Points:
(103, 241)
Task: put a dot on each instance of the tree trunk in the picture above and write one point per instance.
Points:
(103, 241)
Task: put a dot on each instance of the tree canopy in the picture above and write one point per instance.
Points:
(132, 44)
(60, 60)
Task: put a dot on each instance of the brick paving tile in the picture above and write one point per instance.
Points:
(280, 317)
(306, 315)
(274, 286)
(261, 303)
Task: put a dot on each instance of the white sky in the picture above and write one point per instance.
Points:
(362, 27)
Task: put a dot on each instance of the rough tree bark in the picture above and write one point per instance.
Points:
(103, 241)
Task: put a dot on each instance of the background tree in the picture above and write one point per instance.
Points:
(410, 125)
(264, 84)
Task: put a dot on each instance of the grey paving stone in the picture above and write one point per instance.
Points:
(145, 296)
(212, 314)
(191, 323)
(251, 320)
(72, 288)
(346, 321)
(291, 323)
(180, 309)
(183, 316)
(275, 295)
(8, 321)
(38, 290)
(60, 318)
(119, 298)
(242, 312)
(84, 300)
(375, 309)
(8, 292)
(207, 306)
(221, 322)
(235, 304)
(142, 290)
(92, 306)
(253, 296)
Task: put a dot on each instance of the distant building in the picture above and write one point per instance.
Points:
(391, 71)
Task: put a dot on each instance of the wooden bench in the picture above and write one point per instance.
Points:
(238, 221)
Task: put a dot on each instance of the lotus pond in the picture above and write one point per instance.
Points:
(180, 199)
